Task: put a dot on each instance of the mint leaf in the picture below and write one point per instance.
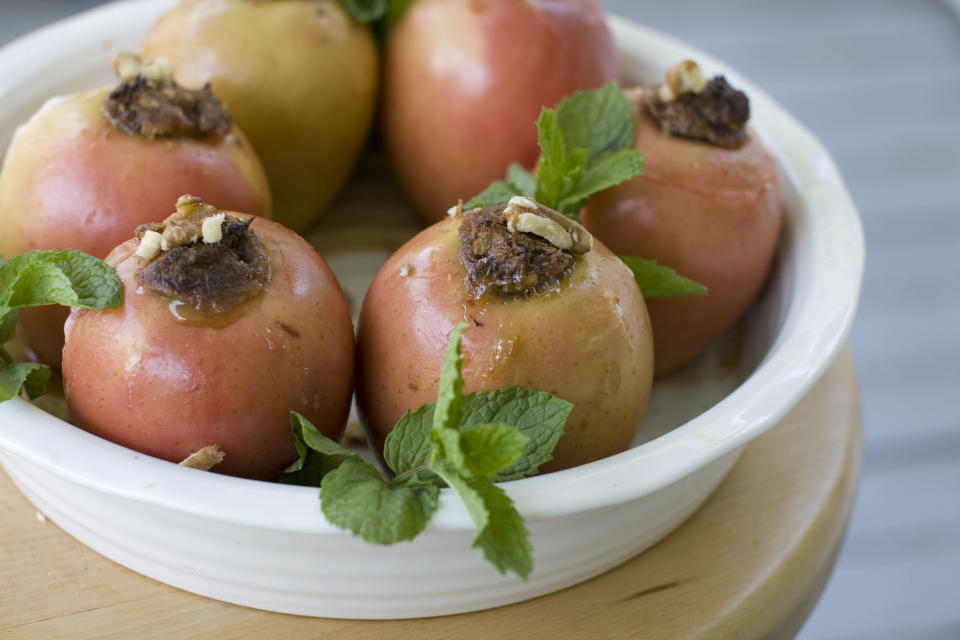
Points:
(366, 10)
(69, 278)
(408, 444)
(354, 497)
(560, 168)
(490, 448)
(317, 454)
(501, 534)
(498, 192)
(522, 180)
(8, 326)
(445, 434)
(538, 415)
(31, 376)
(584, 148)
(443, 441)
(449, 406)
(609, 170)
(519, 182)
(395, 9)
(600, 121)
(658, 281)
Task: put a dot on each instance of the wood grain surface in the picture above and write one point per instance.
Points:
(750, 563)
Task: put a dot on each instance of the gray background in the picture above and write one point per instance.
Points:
(879, 82)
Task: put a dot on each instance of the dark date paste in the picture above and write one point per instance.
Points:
(211, 277)
(151, 109)
(508, 263)
(717, 115)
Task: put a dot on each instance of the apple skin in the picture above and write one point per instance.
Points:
(464, 83)
(139, 377)
(70, 180)
(589, 343)
(299, 77)
(711, 214)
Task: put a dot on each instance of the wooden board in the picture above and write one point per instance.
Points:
(750, 564)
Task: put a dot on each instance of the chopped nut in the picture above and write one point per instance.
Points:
(150, 245)
(527, 222)
(159, 70)
(186, 225)
(685, 77)
(212, 228)
(524, 203)
(523, 215)
(665, 93)
(205, 459)
(127, 66)
(405, 270)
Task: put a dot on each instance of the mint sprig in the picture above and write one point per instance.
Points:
(69, 278)
(467, 442)
(536, 414)
(383, 12)
(659, 281)
(585, 148)
(366, 10)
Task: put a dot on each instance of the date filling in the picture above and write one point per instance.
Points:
(149, 104)
(203, 257)
(519, 249)
(689, 106)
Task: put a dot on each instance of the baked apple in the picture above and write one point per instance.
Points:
(707, 205)
(299, 76)
(549, 309)
(227, 325)
(89, 167)
(464, 83)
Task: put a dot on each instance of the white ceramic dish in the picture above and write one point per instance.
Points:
(268, 546)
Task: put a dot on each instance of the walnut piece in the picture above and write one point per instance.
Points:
(204, 459)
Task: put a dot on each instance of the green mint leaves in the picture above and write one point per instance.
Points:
(658, 281)
(383, 12)
(70, 278)
(366, 10)
(536, 414)
(467, 442)
(32, 377)
(355, 497)
(584, 148)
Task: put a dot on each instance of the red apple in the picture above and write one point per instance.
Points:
(586, 340)
(71, 180)
(711, 213)
(167, 375)
(464, 83)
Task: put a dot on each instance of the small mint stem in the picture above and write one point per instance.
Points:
(409, 473)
